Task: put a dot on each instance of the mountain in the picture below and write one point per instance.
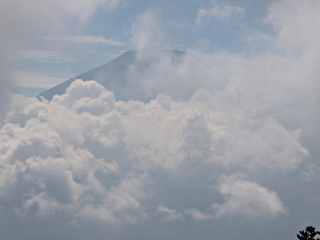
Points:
(141, 75)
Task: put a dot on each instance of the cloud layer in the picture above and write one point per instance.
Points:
(243, 156)
(87, 156)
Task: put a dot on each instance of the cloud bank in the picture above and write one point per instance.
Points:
(86, 156)
(242, 157)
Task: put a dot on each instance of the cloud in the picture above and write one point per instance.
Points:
(247, 198)
(121, 203)
(299, 18)
(90, 156)
(147, 30)
(32, 23)
(61, 178)
(198, 215)
(43, 56)
(239, 150)
(37, 79)
(13, 29)
(88, 39)
(86, 8)
(221, 11)
(170, 215)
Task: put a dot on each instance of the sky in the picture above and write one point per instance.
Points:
(225, 152)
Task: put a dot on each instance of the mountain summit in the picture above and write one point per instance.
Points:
(141, 75)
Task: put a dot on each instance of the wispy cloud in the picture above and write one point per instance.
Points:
(147, 30)
(25, 79)
(170, 214)
(88, 39)
(197, 215)
(221, 11)
(38, 18)
(84, 9)
(43, 55)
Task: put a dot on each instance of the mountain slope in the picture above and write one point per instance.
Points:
(141, 75)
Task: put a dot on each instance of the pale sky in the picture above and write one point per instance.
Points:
(75, 36)
(238, 158)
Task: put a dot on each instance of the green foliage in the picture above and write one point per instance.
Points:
(308, 234)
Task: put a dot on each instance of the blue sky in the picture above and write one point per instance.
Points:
(88, 34)
(229, 151)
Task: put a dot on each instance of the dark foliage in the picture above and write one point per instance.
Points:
(308, 234)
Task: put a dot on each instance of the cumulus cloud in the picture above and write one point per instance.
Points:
(60, 177)
(122, 203)
(247, 198)
(87, 157)
(90, 156)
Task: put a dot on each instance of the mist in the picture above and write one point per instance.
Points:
(199, 150)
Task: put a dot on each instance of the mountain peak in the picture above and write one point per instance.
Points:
(141, 75)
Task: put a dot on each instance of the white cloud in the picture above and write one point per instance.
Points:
(84, 9)
(37, 79)
(247, 198)
(51, 157)
(147, 30)
(87, 39)
(90, 156)
(121, 203)
(297, 25)
(43, 56)
(14, 29)
(198, 215)
(86, 157)
(221, 11)
(170, 214)
(38, 18)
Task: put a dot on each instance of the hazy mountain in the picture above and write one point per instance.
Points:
(141, 75)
